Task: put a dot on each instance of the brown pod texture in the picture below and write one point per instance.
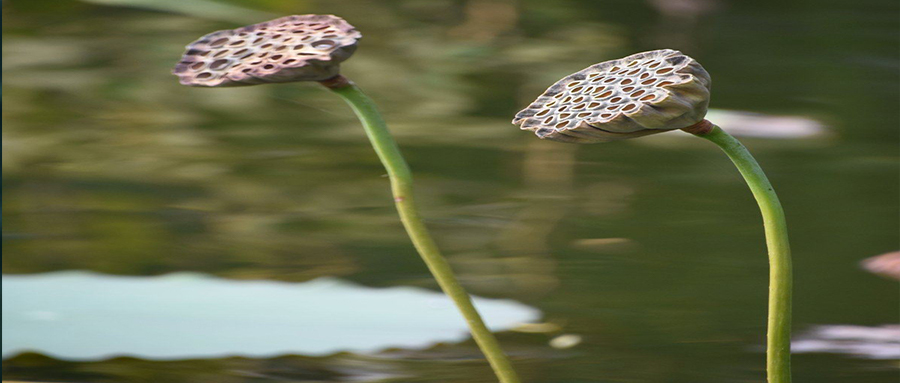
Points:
(645, 93)
(292, 48)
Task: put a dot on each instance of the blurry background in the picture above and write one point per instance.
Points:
(646, 258)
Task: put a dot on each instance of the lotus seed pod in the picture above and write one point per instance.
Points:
(645, 93)
(292, 48)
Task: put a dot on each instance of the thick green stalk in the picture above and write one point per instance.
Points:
(401, 184)
(778, 349)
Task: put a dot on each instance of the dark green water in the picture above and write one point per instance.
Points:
(650, 250)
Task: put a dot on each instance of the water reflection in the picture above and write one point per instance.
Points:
(881, 342)
(746, 124)
(87, 316)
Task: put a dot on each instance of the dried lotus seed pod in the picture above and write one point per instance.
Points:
(292, 48)
(641, 94)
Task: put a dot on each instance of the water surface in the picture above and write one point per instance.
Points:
(651, 250)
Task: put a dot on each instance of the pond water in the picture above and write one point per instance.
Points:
(84, 316)
(635, 261)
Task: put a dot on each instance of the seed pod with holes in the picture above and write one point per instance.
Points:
(641, 94)
(292, 48)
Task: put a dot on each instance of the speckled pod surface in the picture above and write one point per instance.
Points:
(645, 93)
(292, 48)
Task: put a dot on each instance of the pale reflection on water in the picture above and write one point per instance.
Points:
(88, 316)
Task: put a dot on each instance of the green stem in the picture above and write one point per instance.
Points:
(778, 350)
(401, 183)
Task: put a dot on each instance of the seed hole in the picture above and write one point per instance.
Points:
(236, 43)
(634, 72)
(637, 94)
(548, 120)
(648, 97)
(627, 81)
(240, 52)
(578, 99)
(594, 105)
(218, 42)
(218, 64)
(289, 61)
(567, 99)
(204, 75)
(629, 107)
(198, 65)
(664, 71)
(615, 68)
(564, 115)
(268, 66)
(280, 48)
(276, 57)
(606, 94)
(323, 44)
(584, 114)
(266, 46)
(664, 83)
(628, 89)
(577, 107)
(645, 75)
(633, 63)
(648, 82)
(654, 65)
(573, 83)
(615, 99)
(563, 109)
(609, 80)
(221, 54)
(606, 115)
(298, 47)
(543, 112)
(562, 124)
(578, 89)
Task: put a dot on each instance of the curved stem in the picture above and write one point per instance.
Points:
(778, 349)
(401, 184)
